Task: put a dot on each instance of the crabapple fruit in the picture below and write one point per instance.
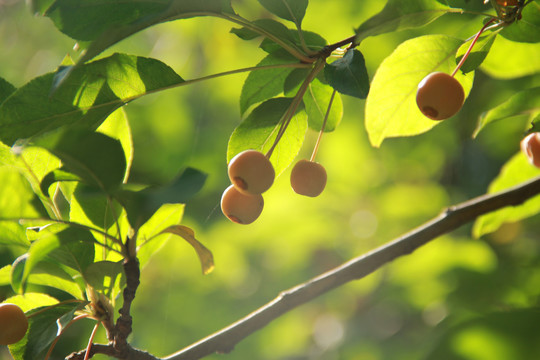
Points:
(530, 145)
(308, 178)
(13, 324)
(239, 207)
(251, 172)
(439, 96)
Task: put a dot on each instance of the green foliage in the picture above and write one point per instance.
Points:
(44, 324)
(400, 15)
(348, 75)
(259, 130)
(91, 93)
(76, 203)
(523, 103)
(515, 171)
(391, 108)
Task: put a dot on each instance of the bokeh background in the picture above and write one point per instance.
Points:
(455, 298)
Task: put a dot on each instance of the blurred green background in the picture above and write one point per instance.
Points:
(456, 298)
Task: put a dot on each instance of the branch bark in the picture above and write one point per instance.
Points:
(450, 219)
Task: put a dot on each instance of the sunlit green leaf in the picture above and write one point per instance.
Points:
(292, 10)
(263, 84)
(479, 52)
(316, 102)
(391, 108)
(117, 126)
(527, 28)
(106, 276)
(517, 170)
(21, 205)
(348, 75)
(86, 21)
(5, 275)
(524, 102)
(56, 176)
(92, 92)
(259, 130)
(44, 325)
(508, 59)
(31, 301)
(148, 240)
(6, 89)
(13, 234)
(141, 205)
(51, 275)
(93, 157)
(48, 239)
(205, 256)
(400, 15)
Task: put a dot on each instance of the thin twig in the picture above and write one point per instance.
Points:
(449, 220)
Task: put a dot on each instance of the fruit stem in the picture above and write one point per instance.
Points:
(462, 61)
(294, 105)
(316, 148)
(90, 341)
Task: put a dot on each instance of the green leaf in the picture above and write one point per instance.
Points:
(535, 124)
(526, 29)
(478, 53)
(5, 275)
(141, 205)
(516, 171)
(95, 158)
(167, 215)
(51, 275)
(313, 41)
(263, 84)
(106, 23)
(107, 277)
(33, 162)
(56, 176)
(31, 301)
(524, 102)
(258, 131)
(205, 256)
(6, 89)
(117, 127)
(95, 209)
(46, 239)
(44, 324)
(400, 15)
(77, 255)
(292, 10)
(508, 59)
(316, 101)
(391, 108)
(348, 75)
(21, 205)
(92, 92)
(13, 234)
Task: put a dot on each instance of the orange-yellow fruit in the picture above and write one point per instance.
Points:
(13, 324)
(239, 207)
(439, 96)
(308, 178)
(530, 145)
(251, 172)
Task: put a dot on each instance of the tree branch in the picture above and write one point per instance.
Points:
(449, 220)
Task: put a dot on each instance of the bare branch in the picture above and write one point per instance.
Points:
(450, 219)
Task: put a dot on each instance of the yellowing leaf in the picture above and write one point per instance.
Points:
(205, 256)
